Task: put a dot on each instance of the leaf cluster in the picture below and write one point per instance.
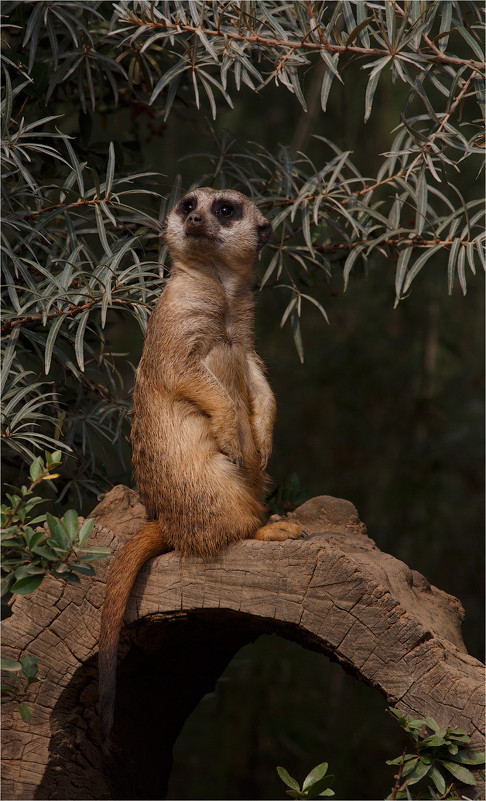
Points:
(315, 784)
(18, 676)
(34, 545)
(441, 753)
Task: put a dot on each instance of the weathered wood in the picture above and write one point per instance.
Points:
(334, 592)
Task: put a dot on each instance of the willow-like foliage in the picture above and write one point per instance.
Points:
(82, 233)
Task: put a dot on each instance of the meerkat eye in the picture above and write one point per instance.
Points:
(226, 210)
(188, 205)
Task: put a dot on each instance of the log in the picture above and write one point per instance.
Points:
(334, 592)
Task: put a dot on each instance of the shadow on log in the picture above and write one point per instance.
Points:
(335, 593)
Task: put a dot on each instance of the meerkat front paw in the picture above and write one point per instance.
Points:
(280, 530)
(232, 450)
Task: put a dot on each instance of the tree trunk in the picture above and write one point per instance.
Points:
(334, 592)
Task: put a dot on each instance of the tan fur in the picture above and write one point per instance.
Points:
(203, 411)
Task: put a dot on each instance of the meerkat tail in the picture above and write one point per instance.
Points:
(145, 544)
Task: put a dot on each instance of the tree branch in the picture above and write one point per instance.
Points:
(437, 57)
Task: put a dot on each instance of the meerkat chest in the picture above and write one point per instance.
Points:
(227, 361)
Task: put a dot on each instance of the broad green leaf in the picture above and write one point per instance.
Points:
(27, 584)
(45, 552)
(29, 665)
(96, 552)
(71, 524)
(10, 665)
(438, 779)
(84, 569)
(459, 771)
(57, 531)
(420, 769)
(36, 468)
(315, 775)
(287, 779)
(36, 536)
(53, 459)
(410, 766)
(25, 713)
(71, 578)
(28, 570)
(85, 530)
(469, 757)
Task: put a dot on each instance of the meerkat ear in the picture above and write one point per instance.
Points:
(264, 233)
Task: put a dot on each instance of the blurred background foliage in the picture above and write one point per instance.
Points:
(358, 128)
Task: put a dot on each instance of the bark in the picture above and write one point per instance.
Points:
(334, 592)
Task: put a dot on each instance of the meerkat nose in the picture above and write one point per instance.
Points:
(194, 220)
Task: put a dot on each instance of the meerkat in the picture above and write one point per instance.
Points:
(203, 411)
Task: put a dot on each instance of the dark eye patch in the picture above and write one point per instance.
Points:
(227, 211)
(186, 205)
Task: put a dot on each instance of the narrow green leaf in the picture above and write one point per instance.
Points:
(53, 332)
(356, 31)
(461, 271)
(356, 251)
(110, 170)
(421, 215)
(297, 334)
(473, 44)
(102, 232)
(451, 265)
(79, 339)
(372, 84)
(327, 82)
(77, 167)
(418, 264)
(401, 271)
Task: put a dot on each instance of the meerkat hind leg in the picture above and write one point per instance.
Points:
(280, 530)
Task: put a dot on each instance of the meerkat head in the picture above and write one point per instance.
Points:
(216, 226)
